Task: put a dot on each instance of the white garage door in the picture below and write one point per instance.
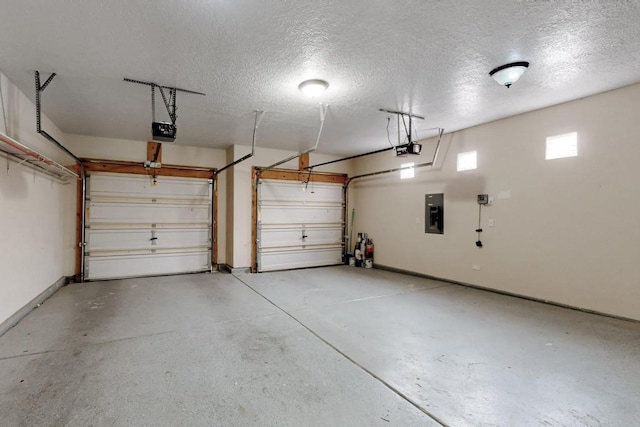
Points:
(134, 228)
(299, 227)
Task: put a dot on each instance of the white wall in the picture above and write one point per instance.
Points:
(36, 214)
(569, 231)
(119, 149)
(229, 211)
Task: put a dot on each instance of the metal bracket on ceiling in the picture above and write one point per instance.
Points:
(140, 82)
(256, 123)
(39, 89)
(323, 115)
(402, 115)
(170, 104)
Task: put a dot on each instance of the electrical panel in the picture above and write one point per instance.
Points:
(434, 213)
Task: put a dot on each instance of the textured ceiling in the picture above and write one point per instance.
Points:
(425, 56)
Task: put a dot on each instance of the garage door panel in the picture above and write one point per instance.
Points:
(287, 191)
(113, 267)
(109, 185)
(300, 214)
(286, 260)
(134, 228)
(298, 228)
(147, 226)
(149, 200)
(294, 236)
(101, 240)
(154, 213)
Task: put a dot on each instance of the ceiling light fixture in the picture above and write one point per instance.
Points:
(313, 88)
(508, 74)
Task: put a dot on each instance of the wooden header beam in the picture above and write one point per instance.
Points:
(302, 176)
(138, 169)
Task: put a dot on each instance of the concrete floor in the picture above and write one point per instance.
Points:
(328, 346)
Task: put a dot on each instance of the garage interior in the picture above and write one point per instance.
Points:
(443, 233)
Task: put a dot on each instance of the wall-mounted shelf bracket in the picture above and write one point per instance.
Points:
(23, 155)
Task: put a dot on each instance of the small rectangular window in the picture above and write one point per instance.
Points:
(467, 161)
(408, 172)
(560, 146)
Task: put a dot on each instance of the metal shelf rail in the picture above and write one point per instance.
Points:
(24, 155)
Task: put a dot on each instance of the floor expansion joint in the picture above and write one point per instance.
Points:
(386, 384)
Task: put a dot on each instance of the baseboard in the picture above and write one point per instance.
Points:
(20, 314)
(498, 291)
(228, 269)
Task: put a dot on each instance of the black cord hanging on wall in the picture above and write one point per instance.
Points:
(479, 229)
(483, 199)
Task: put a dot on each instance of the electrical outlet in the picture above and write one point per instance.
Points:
(490, 222)
(475, 267)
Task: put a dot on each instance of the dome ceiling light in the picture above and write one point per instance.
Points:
(508, 74)
(313, 88)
